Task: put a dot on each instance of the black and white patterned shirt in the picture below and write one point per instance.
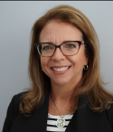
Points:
(51, 123)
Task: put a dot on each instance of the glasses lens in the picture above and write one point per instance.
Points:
(70, 48)
(46, 49)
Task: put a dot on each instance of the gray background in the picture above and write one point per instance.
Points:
(16, 21)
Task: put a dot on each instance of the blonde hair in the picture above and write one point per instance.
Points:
(91, 84)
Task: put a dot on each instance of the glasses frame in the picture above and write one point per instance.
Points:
(57, 46)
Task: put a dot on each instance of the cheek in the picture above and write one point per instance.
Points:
(44, 63)
(78, 60)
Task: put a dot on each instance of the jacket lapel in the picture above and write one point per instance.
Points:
(77, 122)
(84, 120)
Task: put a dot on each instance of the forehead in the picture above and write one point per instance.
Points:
(62, 31)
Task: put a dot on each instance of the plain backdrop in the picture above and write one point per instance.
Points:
(16, 21)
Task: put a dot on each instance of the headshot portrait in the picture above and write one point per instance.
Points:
(56, 66)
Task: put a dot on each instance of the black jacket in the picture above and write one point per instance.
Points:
(84, 120)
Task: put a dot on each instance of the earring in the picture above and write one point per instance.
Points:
(85, 67)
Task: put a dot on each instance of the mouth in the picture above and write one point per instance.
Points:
(60, 69)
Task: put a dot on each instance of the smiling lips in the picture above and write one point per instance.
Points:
(59, 69)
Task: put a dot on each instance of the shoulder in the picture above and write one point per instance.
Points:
(14, 103)
(17, 97)
(12, 111)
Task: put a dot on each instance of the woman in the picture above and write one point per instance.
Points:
(67, 92)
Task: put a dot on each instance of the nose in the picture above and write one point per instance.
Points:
(58, 55)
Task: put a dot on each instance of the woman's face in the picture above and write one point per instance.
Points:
(57, 32)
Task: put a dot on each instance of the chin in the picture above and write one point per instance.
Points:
(60, 82)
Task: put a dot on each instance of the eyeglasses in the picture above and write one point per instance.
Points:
(67, 48)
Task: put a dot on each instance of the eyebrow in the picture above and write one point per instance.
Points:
(61, 43)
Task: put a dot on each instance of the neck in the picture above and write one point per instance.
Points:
(62, 96)
(61, 93)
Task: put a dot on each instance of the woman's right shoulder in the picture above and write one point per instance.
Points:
(18, 97)
(15, 101)
(12, 111)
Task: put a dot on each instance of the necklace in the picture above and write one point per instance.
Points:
(60, 121)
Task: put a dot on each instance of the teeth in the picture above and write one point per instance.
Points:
(61, 69)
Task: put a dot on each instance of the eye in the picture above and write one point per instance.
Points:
(71, 46)
(46, 48)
